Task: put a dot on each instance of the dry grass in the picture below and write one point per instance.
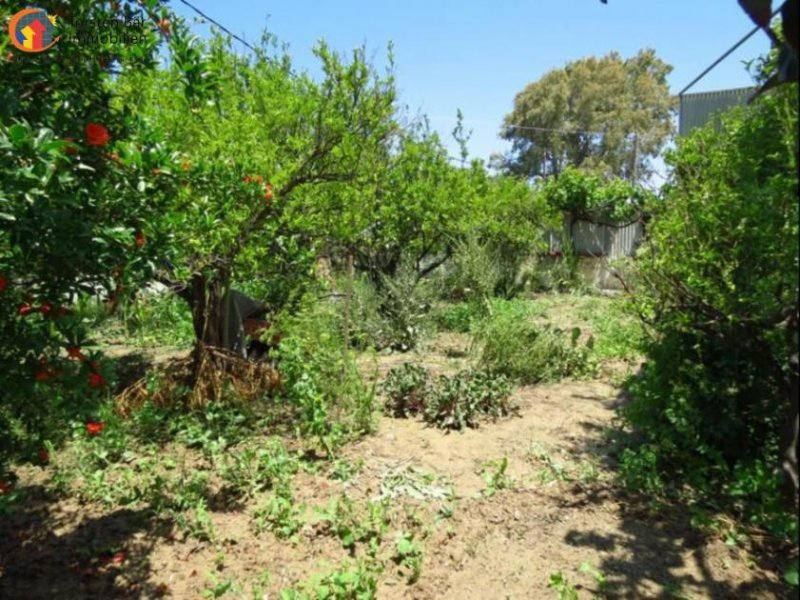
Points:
(208, 374)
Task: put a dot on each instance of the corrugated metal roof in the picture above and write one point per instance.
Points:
(697, 109)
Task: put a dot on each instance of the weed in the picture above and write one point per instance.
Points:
(214, 428)
(562, 586)
(495, 477)
(600, 578)
(408, 555)
(345, 470)
(280, 515)
(196, 522)
(321, 378)
(553, 471)
(217, 589)
(354, 526)
(251, 471)
(461, 400)
(458, 317)
(258, 587)
(406, 388)
(162, 320)
(524, 350)
(618, 334)
(350, 582)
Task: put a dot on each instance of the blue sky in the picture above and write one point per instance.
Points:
(476, 55)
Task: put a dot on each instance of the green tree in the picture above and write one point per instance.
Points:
(258, 146)
(78, 183)
(718, 281)
(609, 114)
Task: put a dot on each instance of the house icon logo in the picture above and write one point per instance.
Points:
(32, 30)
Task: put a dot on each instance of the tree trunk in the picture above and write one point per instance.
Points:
(208, 312)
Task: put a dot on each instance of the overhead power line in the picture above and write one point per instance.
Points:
(730, 51)
(563, 130)
(218, 24)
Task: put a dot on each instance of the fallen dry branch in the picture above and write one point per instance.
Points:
(209, 374)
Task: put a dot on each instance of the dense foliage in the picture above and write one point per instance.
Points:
(585, 195)
(718, 282)
(71, 211)
(610, 114)
(449, 401)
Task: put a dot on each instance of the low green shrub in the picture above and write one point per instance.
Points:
(518, 348)
(473, 274)
(450, 402)
(162, 319)
(394, 313)
(465, 398)
(320, 377)
(406, 388)
(458, 317)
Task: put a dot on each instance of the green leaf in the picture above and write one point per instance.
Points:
(791, 575)
(17, 133)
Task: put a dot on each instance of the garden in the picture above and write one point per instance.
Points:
(261, 336)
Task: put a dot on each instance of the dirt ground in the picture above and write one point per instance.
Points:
(557, 509)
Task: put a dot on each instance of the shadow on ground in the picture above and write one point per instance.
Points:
(656, 553)
(72, 557)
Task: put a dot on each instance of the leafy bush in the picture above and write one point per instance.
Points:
(406, 388)
(517, 347)
(450, 402)
(465, 398)
(393, 314)
(457, 317)
(320, 378)
(162, 319)
(405, 304)
(617, 333)
(717, 280)
(474, 273)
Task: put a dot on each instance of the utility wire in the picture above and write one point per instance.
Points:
(218, 24)
(730, 51)
(521, 127)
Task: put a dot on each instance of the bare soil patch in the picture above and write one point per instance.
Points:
(558, 507)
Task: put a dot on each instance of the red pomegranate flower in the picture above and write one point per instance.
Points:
(44, 375)
(44, 456)
(140, 239)
(268, 192)
(46, 309)
(118, 558)
(5, 487)
(75, 352)
(97, 134)
(94, 428)
(3, 284)
(96, 380)
(25, 309)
